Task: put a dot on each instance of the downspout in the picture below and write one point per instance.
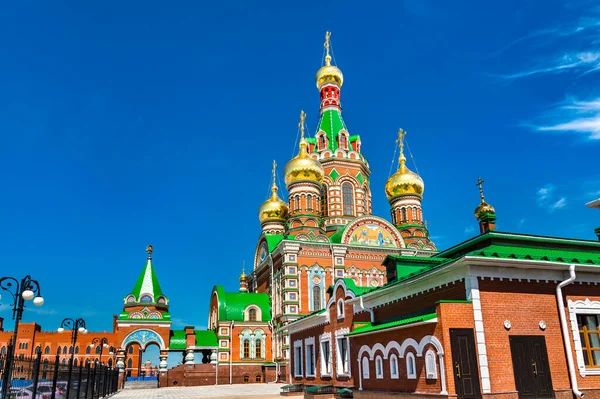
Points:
(273, 340)
(565, 331)
(230, 354)
(370, 310)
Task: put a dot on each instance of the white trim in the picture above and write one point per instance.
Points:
(341, 364)
(410, 360)
(472, 292)
(365, 368)
(582, 307)
(298, 362)
(310, 342)
(326, 365)
(431, 321)
(430, 370)
(339, 308)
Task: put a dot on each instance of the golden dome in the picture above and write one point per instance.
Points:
(243, 276)
(483, 208)
(328, 73)
(273, 209)
(303, 167)
(404, 181)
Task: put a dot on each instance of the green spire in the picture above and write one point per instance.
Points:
(147, 283)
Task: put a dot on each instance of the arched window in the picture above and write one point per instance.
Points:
(343, 141)
(130, 363)
(38, 349)
(252, 314)
(365, 368)
(76, 350)
(258, 349)
(47, 350)
(348, 199)
(88, 350)
(403, 212)
(411, 368)
(75, 362)
(65, 349)
(87, 362)
(322, 142)
(111, 349)
(130, 350)
(3, 350)
(246, 345)
(309, 202)
(316, 297)
(430, 366)
(394, 366)
(340, 309)
(59, 350)
(246, 379)
(146, 298)
(70, 350)
(258, 378)
(98, 349)
(64, 361)
(378, 367)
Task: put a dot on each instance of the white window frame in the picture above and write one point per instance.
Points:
(326, 364)
(394, 362)
(365, 368)
(308, 342)
(298, 359)
(378, 367)
(430, 369)
(410, 360)
(342, 366)
(582, 307)
(340, 309)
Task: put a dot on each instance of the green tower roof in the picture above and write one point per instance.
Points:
(147, 283)
(233, 304)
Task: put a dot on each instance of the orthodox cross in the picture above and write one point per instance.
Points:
(400, 141)
(149, 250)
(301, 124)
(327, 56)
(274, 168)
(480, 184)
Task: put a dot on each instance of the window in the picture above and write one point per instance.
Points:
(325, 358)
(258, 349)
(70, 350)
(246, 345)
(65, 350)
(340, 309)
(403, 212)
(59, 350)
(342, 356)
(430, 367)
(411, 369)
(130, 350)
(322, 142)
(343, 141)
(88, 350)
(348, 199)
(365, 368)
(98, 349)
(129, 363)
(146, 298)
(590, 343)
(316, 291)
(76, 350)
(252, 314)
(3, 350)
(310, 360)
(258, 378)
(246, 379)
(394, 366)
(309, 202)
(378, 367)
(324, 200)
(298, 359)
(47, 350)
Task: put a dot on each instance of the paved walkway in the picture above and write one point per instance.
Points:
(242, 391)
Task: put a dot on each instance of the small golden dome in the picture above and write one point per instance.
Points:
(484, 208)
(404, 181)
(243, 276)
(329, 74)
(303, 167)
(273, 209)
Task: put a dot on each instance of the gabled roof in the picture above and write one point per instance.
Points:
(273, 240)
(233, 304)
(147, 283)
(331, 123)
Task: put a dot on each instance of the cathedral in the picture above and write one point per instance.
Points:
(326, 230)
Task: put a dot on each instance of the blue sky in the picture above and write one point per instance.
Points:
(129, 123)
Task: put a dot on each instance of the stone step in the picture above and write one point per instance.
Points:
(140, 384)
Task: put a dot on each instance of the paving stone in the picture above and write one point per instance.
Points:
(245, 391)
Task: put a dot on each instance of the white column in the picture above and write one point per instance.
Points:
(442, 374)
(472, 288)
(359, 375)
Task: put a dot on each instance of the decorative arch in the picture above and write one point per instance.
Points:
(372, 231)
(410, 342)
(316, 289)
(378, 347)
(144, 337)
(248, 313)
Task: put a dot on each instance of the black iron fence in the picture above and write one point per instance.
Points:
(43, 379)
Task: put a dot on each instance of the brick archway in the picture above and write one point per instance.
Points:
(143, 337)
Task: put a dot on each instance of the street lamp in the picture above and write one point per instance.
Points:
(103, 342)
(25, 290)
(76, 327)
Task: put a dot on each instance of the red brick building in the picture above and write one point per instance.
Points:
(500, 315)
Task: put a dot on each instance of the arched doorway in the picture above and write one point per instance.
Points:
(145, 354)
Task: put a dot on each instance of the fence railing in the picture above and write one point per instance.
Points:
(34, 378)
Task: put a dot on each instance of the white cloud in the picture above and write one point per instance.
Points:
(522, 222)
(546, 199)
(561, 203)
(574, 116)
(469, 230)
(582, 62)
(544, 193)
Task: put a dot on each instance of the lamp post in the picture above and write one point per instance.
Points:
(76, 327)
(21, 291)
(103, 342)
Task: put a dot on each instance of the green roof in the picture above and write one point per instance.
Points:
(166, 316)
(331, 123)
(273, 240)
(546, 254)
(203, 338)
(351, 285)
(396, 323)
(147, 283)
(233, 304)
(336, 237)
